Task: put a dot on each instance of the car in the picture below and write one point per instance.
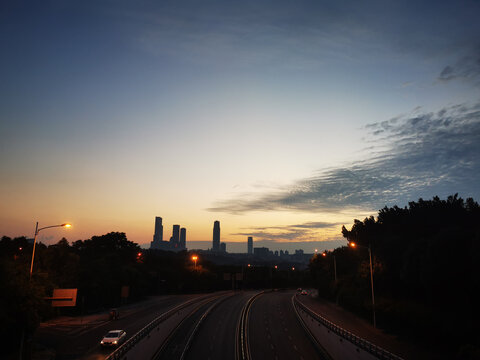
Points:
(304, 292)
(299, 290)
(114, 338)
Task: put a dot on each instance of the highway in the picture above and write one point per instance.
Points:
(175, 346)
(216, 339)
(275, 332)
(211, 330)
(71, 341)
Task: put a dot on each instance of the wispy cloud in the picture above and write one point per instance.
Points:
(420, 155)
(466, 68)
(278, 236)
(299, 232)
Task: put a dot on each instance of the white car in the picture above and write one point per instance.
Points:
(114, 338)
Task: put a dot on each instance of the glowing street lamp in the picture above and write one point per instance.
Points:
(194, 258)
(37, 230)
(354, 245)
(324, 254)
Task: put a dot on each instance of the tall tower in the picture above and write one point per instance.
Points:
(175, 237)
(216, 236)
(183, 238)
(158, 234)
(250, 245)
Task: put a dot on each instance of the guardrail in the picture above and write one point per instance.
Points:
(199, 323)
(145, 331)
(366, 345)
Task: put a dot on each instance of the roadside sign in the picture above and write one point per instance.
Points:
(64, 297)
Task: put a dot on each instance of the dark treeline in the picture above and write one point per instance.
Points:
(426, 272)
(99, 267)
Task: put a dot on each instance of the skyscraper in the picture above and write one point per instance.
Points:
(175, 240)
(158, 234)
(250, 245)
(183, 238)
(216, 236)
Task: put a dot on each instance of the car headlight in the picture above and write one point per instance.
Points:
(115, 342)
(101, 342)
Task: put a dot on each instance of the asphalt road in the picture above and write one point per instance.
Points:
(216, 336)
(71, 341)
(176, 344)
(275, 332)
(273, 329)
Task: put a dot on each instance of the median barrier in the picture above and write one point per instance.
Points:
(145, 343)
(337, 342)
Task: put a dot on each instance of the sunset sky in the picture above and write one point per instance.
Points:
(283, 120)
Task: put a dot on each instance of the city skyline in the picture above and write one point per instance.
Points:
(284, 121)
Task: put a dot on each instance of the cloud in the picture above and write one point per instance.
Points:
(297, 232)
(278, 236)
(283, 34)
(421, 155)
(307, 225)
(467, 68)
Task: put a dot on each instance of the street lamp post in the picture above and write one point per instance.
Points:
(194, 258)
(37, 230)
(324, 254)
(353, 245)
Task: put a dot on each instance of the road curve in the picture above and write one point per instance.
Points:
(217, 335)
(180, 339)
(275, 331)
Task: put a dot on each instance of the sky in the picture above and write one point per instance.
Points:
(284, 120)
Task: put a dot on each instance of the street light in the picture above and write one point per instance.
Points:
(354, 245)
(37, 230)
(194, 258)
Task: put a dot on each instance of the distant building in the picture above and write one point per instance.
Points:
(250, 245)
(183, 238)
(158, 235)
(261, 251)
(216, 236)
(158, 242)
(223, 247)
(175, 239)
(276, 253)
